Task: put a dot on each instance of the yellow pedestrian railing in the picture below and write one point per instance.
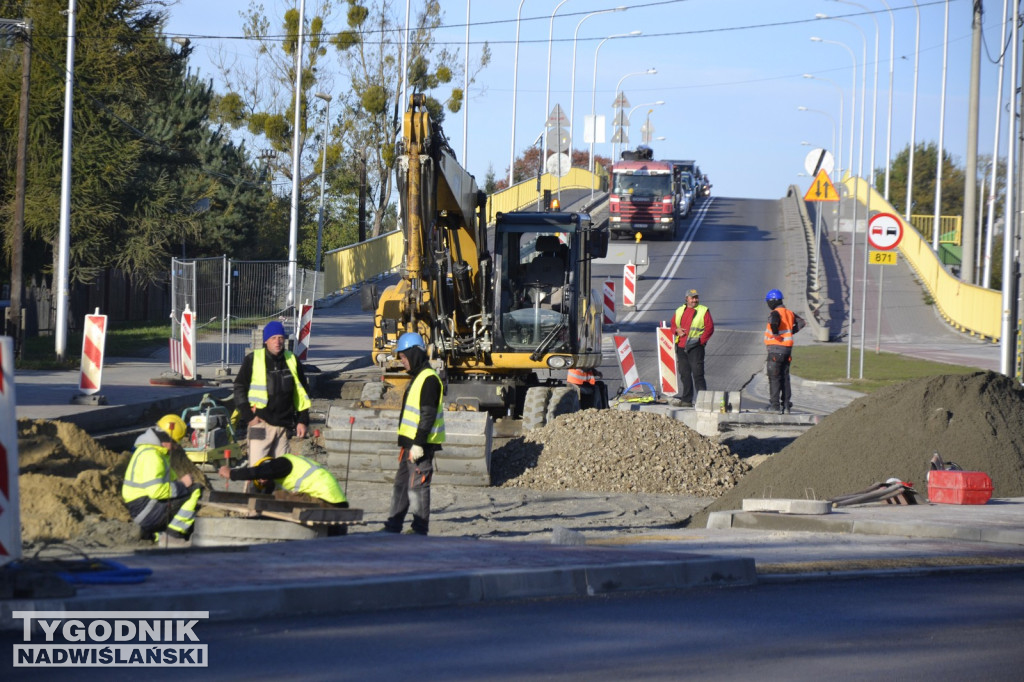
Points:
(950, 227)
(969, 308)
(525, 194)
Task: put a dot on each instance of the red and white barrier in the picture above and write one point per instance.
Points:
(667, 362)
(305, 327)
(94, 339)
(188, 345)
(10, 523)
(629, 285)
(627, 363)
(609, 301)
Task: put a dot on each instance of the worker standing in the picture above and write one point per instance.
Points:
(692, 328)
(294, 473)
(157, 498)
(272, 394)
(778, 338)
(420, 435)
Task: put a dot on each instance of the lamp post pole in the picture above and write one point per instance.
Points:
(888, 118)
(618, 91)
(64, 250)
(839, 146)
(593, 98)
(323, 181)
(987, 268)
(293, 230)
(830, 118)
(547, 89)
(942, 129)
(572, 88)
(659, 103)
(913, 114)
(515, 83)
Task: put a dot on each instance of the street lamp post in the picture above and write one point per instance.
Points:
(547, 89)
(942, 129)
(823, 113)
(515, 83)
(64, 241)
(853, 93)
(293, 231)
(659, 103)
(572, 88)
(618, 91)
(839, 146)
(987, 270)
(913, 113)
(593, 97)
(888, 118)
(323, 181)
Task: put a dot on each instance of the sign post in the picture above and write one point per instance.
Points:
(821, 190)
(885, 231)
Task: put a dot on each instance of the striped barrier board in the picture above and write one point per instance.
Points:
(188, 345)
(10, 523)
(667, 362)
(629, 285)
(93, 342)
(609, 301)
(305, 327)
(630, 374)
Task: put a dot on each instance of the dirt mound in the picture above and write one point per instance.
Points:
(613, 451)
(972, 419)
(70, 487)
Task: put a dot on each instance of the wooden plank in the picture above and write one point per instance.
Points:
(332, 515)
(227, 498)
(269, 504)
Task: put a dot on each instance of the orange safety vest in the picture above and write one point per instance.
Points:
(581, 377)
(785, 335)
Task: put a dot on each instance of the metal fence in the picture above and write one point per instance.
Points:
(232, 301)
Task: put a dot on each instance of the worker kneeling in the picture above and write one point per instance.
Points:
(294, 473)
(158, 500)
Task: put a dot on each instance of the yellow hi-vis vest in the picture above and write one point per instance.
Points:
(410, 421)
(696, 324)
(309, 478)
(149, 474)
(258, 395)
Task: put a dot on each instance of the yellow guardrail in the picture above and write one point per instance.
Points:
(966, 307)
(524, 194)
(950, 227)
(351, 265)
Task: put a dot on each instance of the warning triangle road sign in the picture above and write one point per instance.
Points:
(822, 189)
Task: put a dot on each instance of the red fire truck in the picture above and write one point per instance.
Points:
(641, 197)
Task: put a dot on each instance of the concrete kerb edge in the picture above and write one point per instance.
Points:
(414, 591)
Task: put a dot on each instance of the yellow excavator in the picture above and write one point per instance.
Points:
(502, 312)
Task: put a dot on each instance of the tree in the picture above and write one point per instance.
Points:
(923, 193)
(133, 130)
(371, 52)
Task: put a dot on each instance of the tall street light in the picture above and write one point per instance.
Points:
(64, 250)
(942, 130)
(593, 96)
(572, 89)
(888, 117)
(618, 90)
(987, 270)
(913, 114)
(839, 146)
(323, 180)
(547, 89)
(293, 231)
(659, 103)
(823, 113)
(515, 84)
(853, 93)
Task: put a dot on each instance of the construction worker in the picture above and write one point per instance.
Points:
(692, 328)
(778, 338)
(158, 500)
(420, 435)
(271, 393)
(585, 381)
(294, 473)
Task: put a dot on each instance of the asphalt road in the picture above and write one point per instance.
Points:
(940, 627)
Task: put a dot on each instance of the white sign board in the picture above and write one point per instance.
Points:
(816, 156)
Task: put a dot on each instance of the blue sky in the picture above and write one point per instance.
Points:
(729, 71)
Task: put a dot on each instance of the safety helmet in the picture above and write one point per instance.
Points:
(773, 295)
(173, 426)
(408, 340)
(263, 485)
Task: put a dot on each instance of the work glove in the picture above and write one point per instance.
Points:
(416, 453)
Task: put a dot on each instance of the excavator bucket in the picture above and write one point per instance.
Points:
(362, 446)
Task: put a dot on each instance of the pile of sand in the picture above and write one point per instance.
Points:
(975, 420)
(70, 487)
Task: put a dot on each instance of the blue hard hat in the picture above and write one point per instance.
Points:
(408, 340)
(773, 295)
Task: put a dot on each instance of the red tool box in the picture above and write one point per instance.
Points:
(959, 487)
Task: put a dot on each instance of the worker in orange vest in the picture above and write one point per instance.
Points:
(585, 381)
(778, 338)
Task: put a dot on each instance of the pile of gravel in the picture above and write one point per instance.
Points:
(974, 420)
(617, 452)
